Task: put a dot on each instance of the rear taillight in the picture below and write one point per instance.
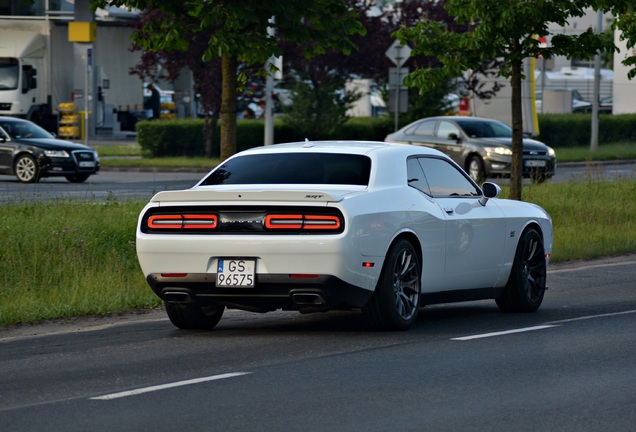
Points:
(302, 222)
(183, 221)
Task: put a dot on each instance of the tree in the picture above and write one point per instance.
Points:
(240, 32)
(169, 64)
(507, 30)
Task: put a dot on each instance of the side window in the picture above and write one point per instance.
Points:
(425, 128)
(416, 177)
(445, 179)
(447, 128)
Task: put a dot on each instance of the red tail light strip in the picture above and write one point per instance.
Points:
(185, 221)
(302, 222)
(322, 222)
(165, 221)
(284, 221)
(194, 221)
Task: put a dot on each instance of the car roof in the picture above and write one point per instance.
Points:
(463, 118)
(342, 146)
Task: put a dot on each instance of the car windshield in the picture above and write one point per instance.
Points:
(17, 129)
(477, 129)
(9, 68)
(293, 168)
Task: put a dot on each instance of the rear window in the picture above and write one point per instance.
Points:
(293, 168)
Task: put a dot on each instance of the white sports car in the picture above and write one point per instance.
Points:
(316, 226)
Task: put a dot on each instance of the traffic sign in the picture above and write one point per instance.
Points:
(398, 53)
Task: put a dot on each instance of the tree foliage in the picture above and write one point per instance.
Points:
(507, 30)
(240, 32)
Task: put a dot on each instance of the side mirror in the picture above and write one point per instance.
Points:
(453, 136)
(490, 190)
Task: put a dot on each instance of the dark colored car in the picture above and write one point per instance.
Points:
(30, 153)
(483, 147)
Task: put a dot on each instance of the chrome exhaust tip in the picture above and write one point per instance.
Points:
(308, 299)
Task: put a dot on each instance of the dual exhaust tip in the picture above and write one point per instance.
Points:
(299, 298)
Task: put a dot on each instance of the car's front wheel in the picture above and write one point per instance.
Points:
(189, 316)
(396, 300)
(476, 170)
(526, 284)
(26, 169)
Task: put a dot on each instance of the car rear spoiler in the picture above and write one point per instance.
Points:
(204, 195)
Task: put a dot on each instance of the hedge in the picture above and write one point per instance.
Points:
(185, 137)
(575, 130)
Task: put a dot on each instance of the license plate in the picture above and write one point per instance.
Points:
(87, 164)
(235, 273)
(535, 163)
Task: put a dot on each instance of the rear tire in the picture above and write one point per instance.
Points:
(190, 316)
(396, 300)
(526, 284)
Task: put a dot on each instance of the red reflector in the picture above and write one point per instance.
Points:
(368, 264)
(174, 274)
(303, 276)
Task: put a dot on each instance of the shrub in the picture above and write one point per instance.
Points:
(574, 130)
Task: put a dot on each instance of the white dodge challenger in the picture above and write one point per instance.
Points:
(316, 226)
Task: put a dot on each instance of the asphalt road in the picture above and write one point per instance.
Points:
(568, 367)
(124, 185)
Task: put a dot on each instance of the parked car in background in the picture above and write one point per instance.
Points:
(317, 226)
(606, 105)
(30, 153)
(483, 147)
(579, 105)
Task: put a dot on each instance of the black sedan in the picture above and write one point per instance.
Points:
(30, 153)
(483, 147)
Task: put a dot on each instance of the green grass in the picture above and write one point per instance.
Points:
(67, 258)
(71, 258)
(591, 219)
(615, 151)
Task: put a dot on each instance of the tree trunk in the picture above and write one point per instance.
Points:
(516, 175)
(229, 67)
(209, 127)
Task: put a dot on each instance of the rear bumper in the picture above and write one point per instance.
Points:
(271, 292)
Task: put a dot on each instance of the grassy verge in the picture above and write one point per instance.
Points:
(70, 258)
(67, 258)
(615, 151)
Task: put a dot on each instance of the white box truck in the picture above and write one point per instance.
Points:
(40, 68)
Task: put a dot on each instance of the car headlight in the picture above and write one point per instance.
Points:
(505, 151)
(551, 152)
(56, 153)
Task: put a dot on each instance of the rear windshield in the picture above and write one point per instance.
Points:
(293, 168)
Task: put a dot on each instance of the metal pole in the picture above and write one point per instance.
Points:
(269, 89)
(398, 84)
(597, 88)
(88, 59)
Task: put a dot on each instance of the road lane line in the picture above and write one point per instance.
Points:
(593, 317)
(591, 266)
(143, 390)
(502, 333)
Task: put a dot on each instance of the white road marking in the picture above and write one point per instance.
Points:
(592, 266)
(505, 332)
(542, 327)
(167, 386)
(593, 317)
